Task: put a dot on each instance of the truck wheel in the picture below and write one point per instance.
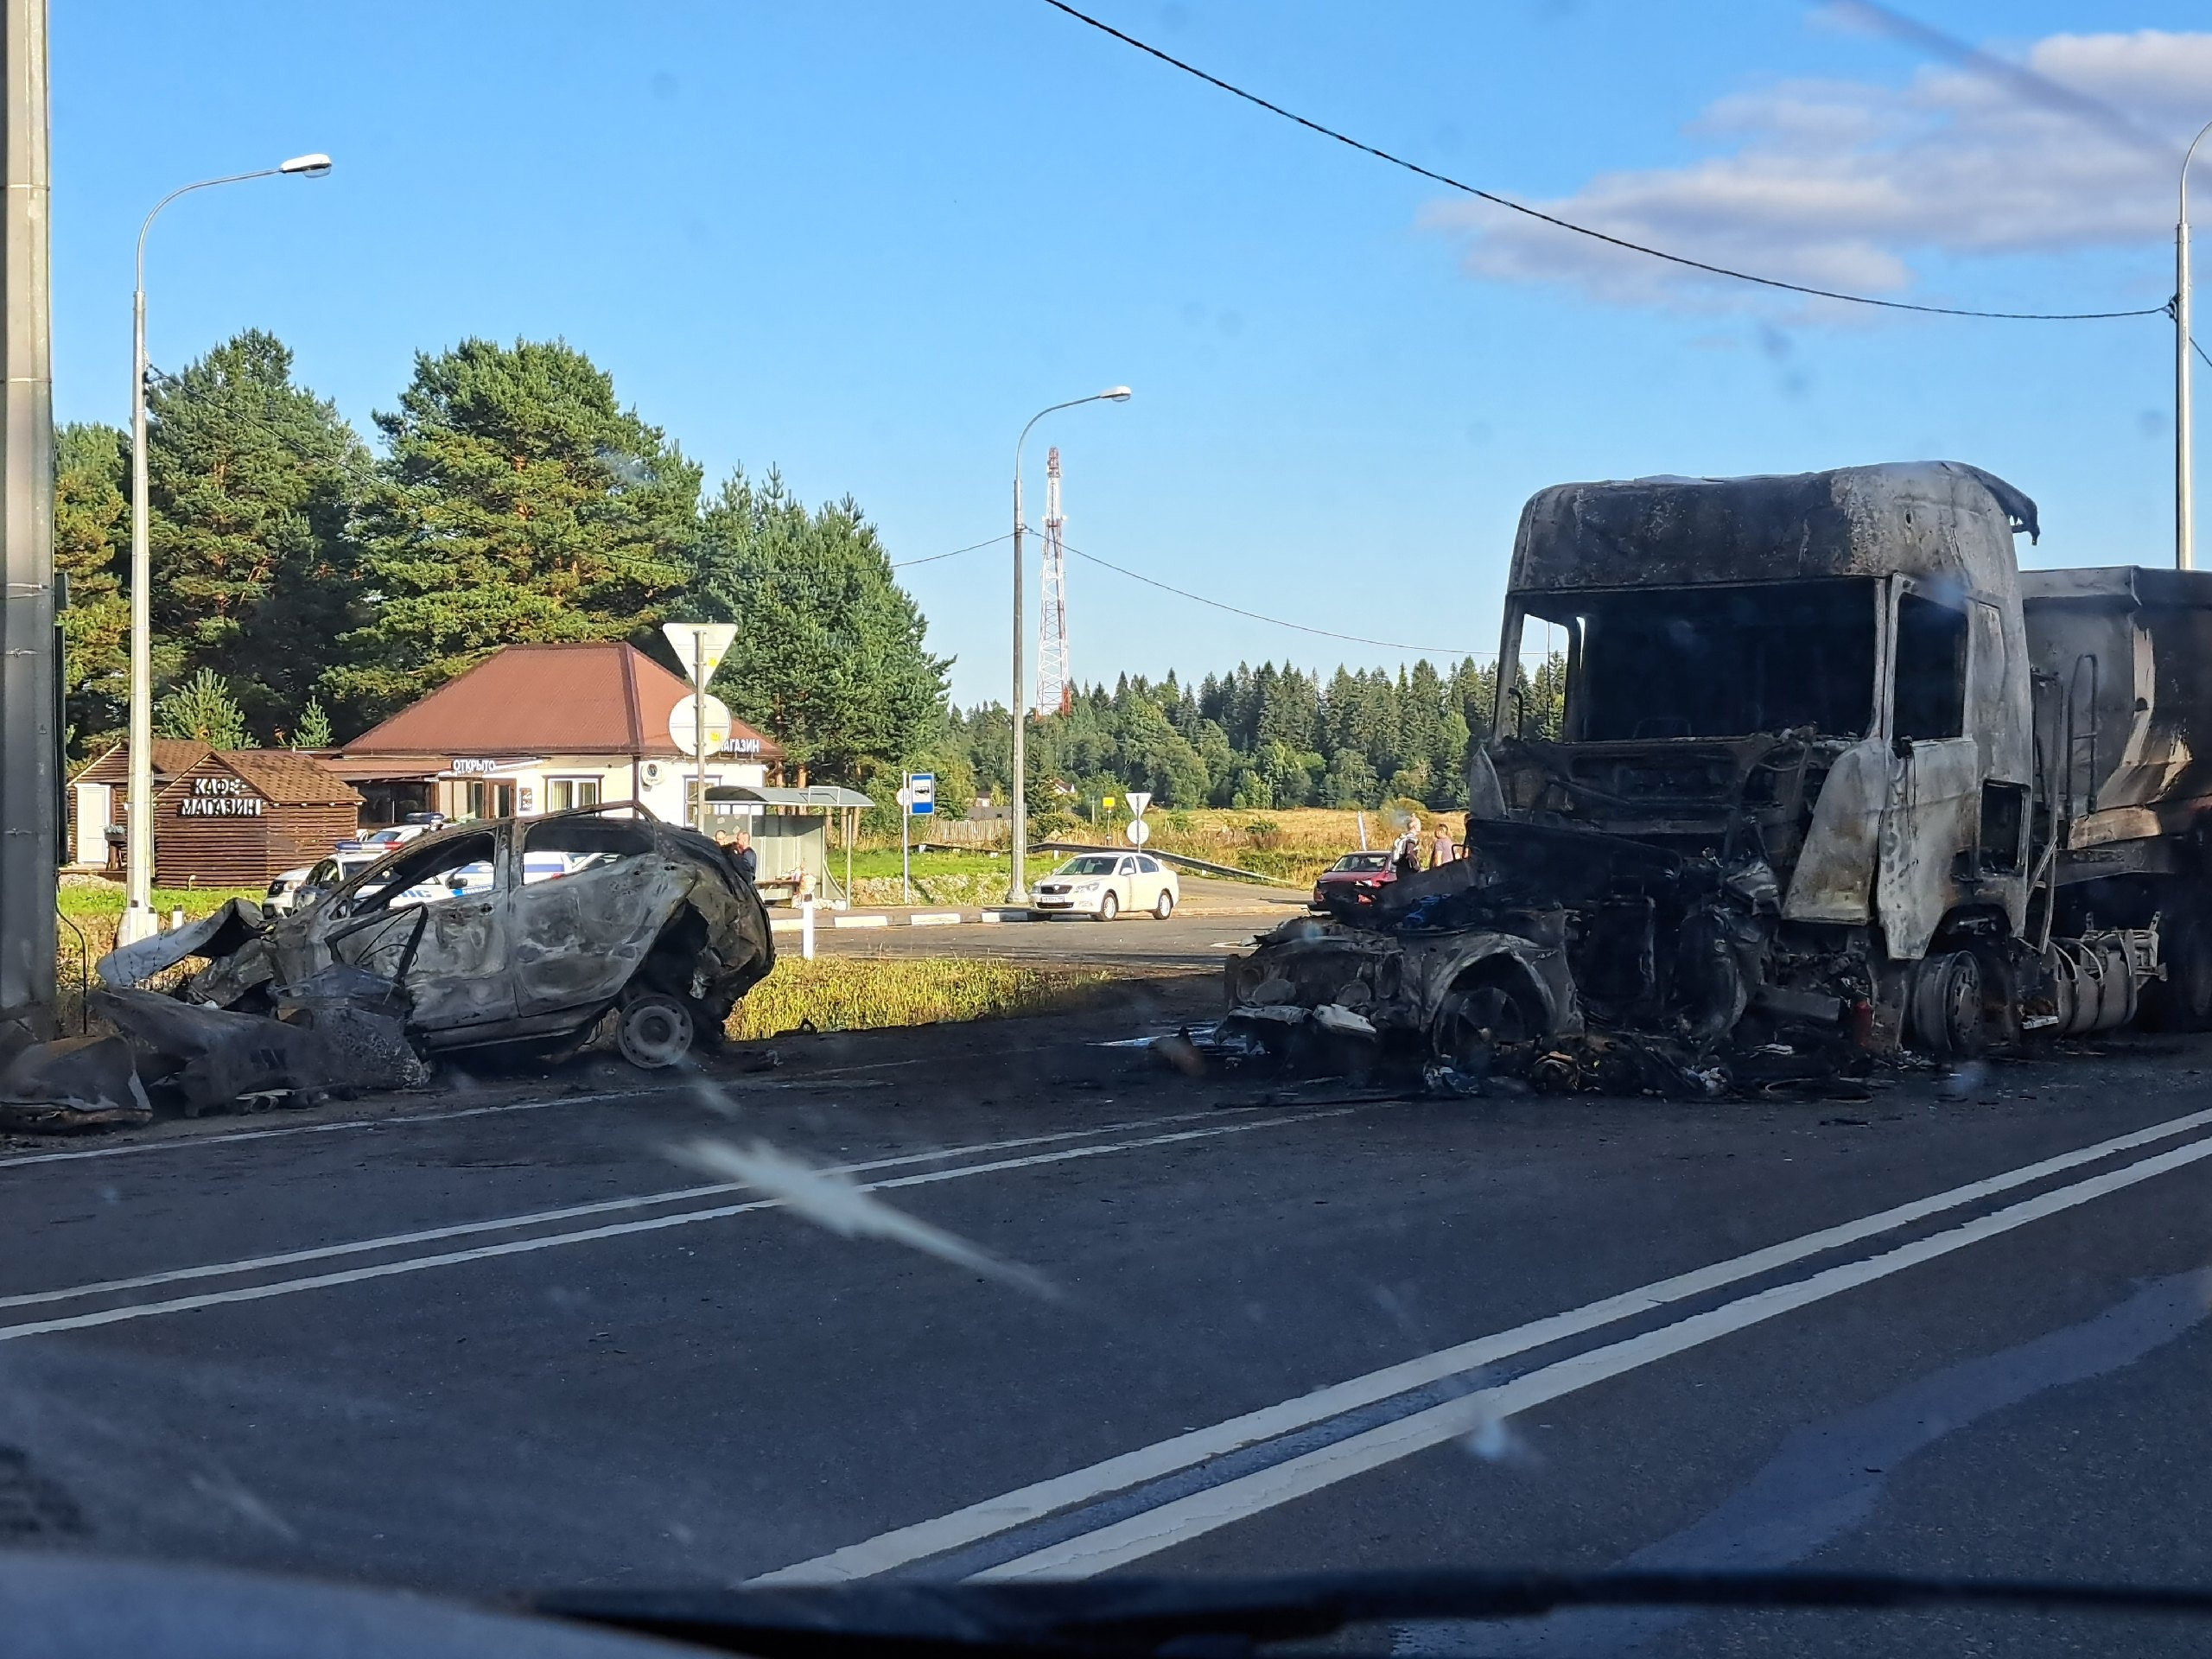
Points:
(1948, 1017)
(655, 1031)
(2182, 1001)
(1476, 1018)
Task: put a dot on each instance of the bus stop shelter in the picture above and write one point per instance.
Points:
(791, 832)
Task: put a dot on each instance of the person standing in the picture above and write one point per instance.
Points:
(1406, 854)
(748, 861)
(1440, 850)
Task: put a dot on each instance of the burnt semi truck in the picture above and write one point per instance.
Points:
(1831, 771)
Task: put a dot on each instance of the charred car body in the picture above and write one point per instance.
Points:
(545, 931)
(1831, 770)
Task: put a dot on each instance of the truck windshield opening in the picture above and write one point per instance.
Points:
(1662, 663)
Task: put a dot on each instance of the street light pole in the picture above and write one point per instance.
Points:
(1017, 887)
(138, 920)
(2184, 491)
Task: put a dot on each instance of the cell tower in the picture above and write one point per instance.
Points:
(1055, 689)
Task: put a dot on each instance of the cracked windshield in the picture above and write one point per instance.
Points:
(1152, 827)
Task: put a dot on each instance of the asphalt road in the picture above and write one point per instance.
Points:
(524, 1334)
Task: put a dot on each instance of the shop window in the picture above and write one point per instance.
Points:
(565, 794)
(559, 847)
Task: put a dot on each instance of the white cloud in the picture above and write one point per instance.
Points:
(1839, 184)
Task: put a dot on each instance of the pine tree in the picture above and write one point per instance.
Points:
(252, 481)
(520, 502)
(830, 654)
(313, 731)
(203, 707)
(91, 533)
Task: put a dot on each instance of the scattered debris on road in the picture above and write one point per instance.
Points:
(76, 1083)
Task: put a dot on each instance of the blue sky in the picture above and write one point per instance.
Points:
(864, 242)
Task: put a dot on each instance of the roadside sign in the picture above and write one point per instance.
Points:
(919, 797)
(1139, 832)
(1139, 799)
(685, 735)
(1106, 802)
(700, 645)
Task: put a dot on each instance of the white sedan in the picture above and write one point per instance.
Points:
(285, 891)
(1104, 885)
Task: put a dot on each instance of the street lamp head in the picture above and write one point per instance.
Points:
(1117, 394)
(312, 166)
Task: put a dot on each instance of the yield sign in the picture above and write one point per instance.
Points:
(700, 646)
(1139, 799)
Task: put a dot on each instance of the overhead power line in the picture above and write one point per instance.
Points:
(1511, 206)
(902, 564)
(1274, 621)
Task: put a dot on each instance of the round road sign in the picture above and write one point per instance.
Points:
(680, 731)
(1138, 832)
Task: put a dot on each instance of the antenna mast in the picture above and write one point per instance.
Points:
(1055, 689)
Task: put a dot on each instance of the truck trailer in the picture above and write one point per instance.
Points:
(1833, 774)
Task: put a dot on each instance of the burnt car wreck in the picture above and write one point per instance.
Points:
(529, 936)
(1833, 779)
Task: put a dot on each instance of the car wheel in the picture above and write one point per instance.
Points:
(1166, 907)
(655, 1031)
(1109, 908)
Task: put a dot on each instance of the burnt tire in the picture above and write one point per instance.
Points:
(2182, 1001)
(654, 1030)
(1479, 1014)
(1950, 1016)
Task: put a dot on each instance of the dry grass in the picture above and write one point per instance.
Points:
(865, 994)
(1293, 844)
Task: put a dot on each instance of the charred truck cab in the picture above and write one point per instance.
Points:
(1830, 774)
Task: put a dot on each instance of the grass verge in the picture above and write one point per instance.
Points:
(866, 994)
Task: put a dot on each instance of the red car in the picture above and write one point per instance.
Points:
(1353, 880)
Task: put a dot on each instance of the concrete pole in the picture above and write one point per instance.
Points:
(2184, 440)
(1017, 886)
(138, 920)
(1017, 882)
(29, 716)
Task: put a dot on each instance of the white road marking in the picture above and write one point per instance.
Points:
(173, 1143)
(1185, 1518)
(556, 1241)
(434, 1116)
(568, 1212)
(995, 1515)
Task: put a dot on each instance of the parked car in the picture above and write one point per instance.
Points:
(381, 842)
(1104, 885)
(285, 892)
(1353, 880)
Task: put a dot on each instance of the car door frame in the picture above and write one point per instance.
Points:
(441, 999)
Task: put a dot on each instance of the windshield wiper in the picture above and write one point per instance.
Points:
(1226, 1616)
